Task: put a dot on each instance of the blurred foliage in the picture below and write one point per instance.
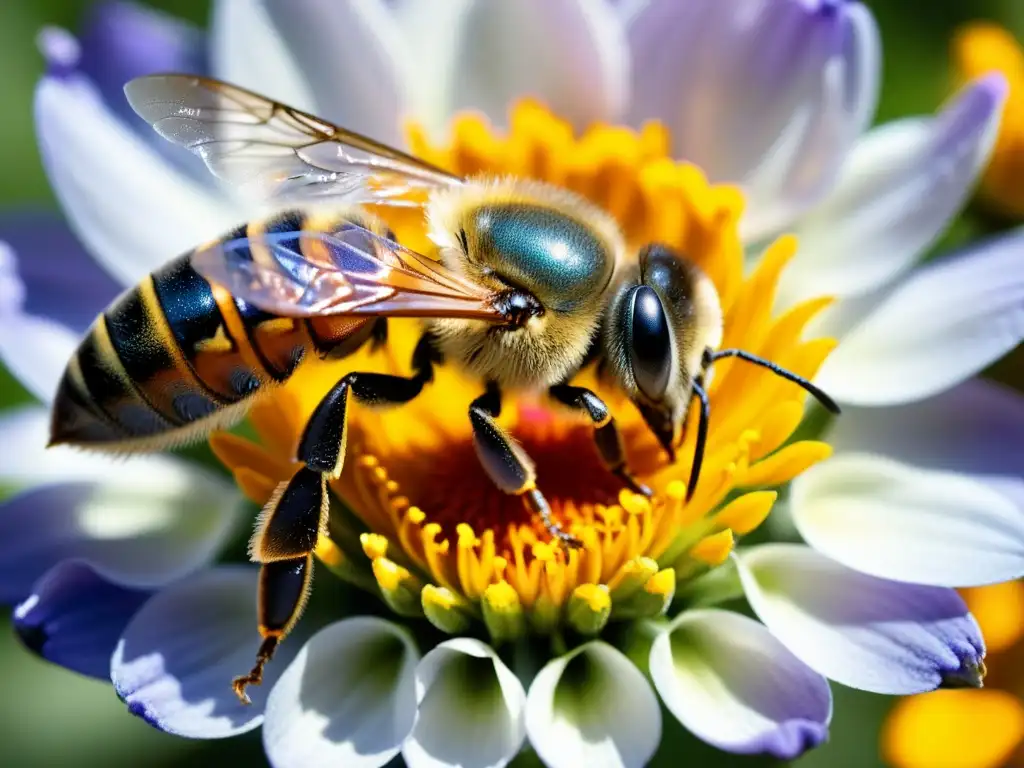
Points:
(51, 717)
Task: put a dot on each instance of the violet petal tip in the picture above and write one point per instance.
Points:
(60, 49)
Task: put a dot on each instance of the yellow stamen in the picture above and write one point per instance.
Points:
(632, 577)
(503, 612)
(445, 609)
(442, 541)
(981, 48)
(589, 608)
(651, 601)
(399, 588)
(374, 545)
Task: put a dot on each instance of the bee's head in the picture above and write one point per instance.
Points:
(548, 257)
(663, 316)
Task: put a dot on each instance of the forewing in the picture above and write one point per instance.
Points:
(274, 151)
(353, 271)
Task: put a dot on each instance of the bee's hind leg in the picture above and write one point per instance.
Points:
(296, 514)
(606, 434)
(507, 464)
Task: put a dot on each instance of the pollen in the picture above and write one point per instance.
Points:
(981, 48)
(436, 539)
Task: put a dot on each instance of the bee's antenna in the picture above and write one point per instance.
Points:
(702, 437)
(818, 394)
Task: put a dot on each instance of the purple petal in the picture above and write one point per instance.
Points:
(175, 661)
(860, 630)
(74, 618)
(34, 349)
(121, 41)
(901, 187)
(895, 521)
(141, 522)
(976, 427)
(353, 56)
(768, 93)
(735, 686)
(58, 279)
(942, 324)
(131, 209)
(570, 54)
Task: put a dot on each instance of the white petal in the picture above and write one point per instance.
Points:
(431, 32)
(353, 57)
(859, 630)
(248, 50)
(470, 709)
(735, 686)
(349, 698)
(571, 54)
(141, 522)
(769, 93)
(28, 428)
(898, 522)
(944, 323)
(899, 190)
(34, 349)
(804, 162)
(174, 664)
(592, 707)
(130, 208)
(976, 428)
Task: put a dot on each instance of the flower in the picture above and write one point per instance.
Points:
(774, 127)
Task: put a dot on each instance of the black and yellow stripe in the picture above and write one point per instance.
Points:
(175, 356)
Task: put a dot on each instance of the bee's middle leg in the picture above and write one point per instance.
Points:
(292, 520)
(507, 464)
(606, 434)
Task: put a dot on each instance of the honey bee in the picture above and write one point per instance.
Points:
(529, 283)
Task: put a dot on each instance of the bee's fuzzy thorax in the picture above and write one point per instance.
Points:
(447, 205)
(550, 347)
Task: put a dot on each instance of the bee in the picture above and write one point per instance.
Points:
(527, 285)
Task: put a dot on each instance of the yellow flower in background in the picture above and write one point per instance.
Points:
(970, 728)
(981, 48)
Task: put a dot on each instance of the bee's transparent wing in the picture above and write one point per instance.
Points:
(274, 151)
(352, 271)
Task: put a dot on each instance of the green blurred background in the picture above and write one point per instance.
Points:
(54, 718)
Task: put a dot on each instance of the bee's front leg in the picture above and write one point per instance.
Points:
(507, 464)
(296, 514)
(606, 434)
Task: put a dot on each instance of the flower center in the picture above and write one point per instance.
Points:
(421, 522)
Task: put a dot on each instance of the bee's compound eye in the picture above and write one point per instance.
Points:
(650, 343)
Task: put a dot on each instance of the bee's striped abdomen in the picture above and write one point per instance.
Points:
(195, 323)
(176, 356)
(159, 364)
